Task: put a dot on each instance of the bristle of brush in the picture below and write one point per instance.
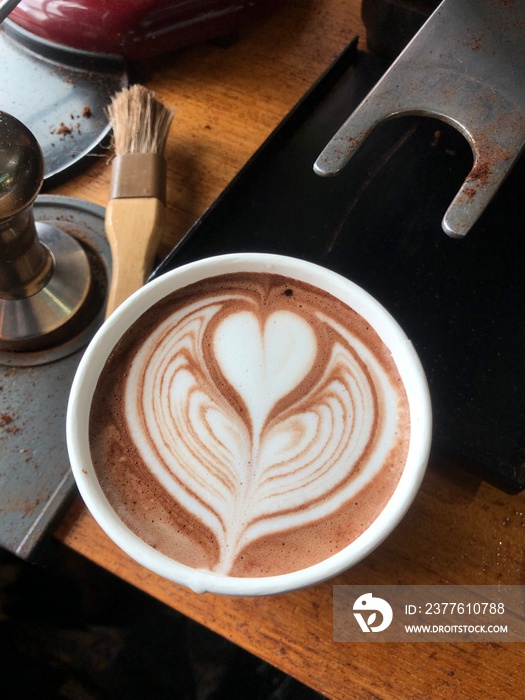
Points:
(140, 121)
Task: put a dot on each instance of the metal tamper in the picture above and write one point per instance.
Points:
(45, 275)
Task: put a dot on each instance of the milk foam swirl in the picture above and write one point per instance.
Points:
(259, 418)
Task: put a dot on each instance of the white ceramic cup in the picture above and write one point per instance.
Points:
(94, 359)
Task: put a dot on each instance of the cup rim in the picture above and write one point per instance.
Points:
(97, 352)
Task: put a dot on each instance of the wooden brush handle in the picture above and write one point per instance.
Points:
(134, 228)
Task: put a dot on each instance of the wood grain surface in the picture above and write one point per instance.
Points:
(228, 96)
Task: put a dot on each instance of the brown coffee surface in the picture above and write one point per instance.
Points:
(250, 425)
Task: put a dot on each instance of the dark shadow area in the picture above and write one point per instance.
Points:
(72, 630)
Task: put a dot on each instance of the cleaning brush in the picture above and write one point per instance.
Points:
(135, 213)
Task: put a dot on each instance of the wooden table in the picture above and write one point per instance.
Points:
(459, 531)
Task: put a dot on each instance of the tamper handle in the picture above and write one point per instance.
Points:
(25, 263)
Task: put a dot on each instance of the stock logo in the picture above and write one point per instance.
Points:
(368, 606)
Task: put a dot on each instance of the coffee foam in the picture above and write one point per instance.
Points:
(258, 416)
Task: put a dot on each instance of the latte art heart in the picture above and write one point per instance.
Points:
(264, 362)
(258, 415)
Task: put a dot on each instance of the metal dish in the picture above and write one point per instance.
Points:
(60, 94)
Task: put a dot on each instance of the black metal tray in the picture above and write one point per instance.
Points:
(379, 223)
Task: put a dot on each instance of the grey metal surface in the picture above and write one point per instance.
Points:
(465, 66)
(35, 477)
(60, 94)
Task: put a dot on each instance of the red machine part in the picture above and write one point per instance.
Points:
(136, 29)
